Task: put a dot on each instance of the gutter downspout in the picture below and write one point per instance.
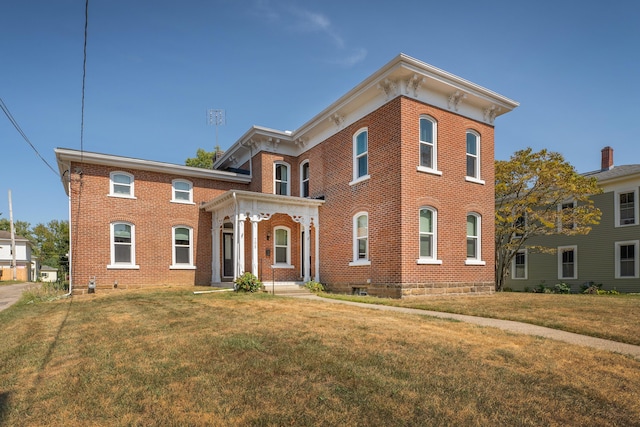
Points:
(69, 259)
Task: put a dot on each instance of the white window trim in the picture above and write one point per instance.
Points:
(283, 163)
(112, 193)
(122, 266)
(433, 170)
(173, 192)
(636, 260)
(357, 179)
(356, 261)
(302, 180)
(616, 202)
(526, 265)
(475, 179)
(560, 226)
(174, 265)
(562, 249)
(282, 264)
(433, 259)
(478, 259)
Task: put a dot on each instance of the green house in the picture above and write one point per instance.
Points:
(608, 255)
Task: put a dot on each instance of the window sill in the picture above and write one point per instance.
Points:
(626, 277)
(359, 180)
(182, 202)
(429, 170)
(281, 265)
(474, 180)
(121, 196)
(426, 261)
(624, 225)
(182, 267)
(359, 263)
(123, 267)
(474, 262)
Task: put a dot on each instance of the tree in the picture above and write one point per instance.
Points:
(52, 243)
(204, 159)
(539, 194)
(22, 228)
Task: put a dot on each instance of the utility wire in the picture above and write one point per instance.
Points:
(15, 124)
(84, 75)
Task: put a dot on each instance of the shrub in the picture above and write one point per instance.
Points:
(314, 286)
(247, 283)
(562, 288)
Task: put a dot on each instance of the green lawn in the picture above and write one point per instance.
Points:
(169, 357)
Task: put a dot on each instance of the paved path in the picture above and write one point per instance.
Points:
(10, 294)
(508, 325)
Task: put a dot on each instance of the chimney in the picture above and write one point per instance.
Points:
(607, 159)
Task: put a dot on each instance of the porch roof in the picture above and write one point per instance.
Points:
(259, 200)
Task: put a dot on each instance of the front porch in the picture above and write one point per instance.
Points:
(281, 247)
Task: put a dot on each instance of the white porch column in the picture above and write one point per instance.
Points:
(240, 248)
(307, 250)
(215, 249)
(316, 226)
(254, 245)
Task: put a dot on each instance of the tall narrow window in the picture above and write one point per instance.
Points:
(568, 262)
(566, 218)
(427, 144)
(304, 179)
(282, 245)
(182, 191)
(627, 208)
(473, 239)
(361, 155)
(473, 156)
(627, 259)
(520, 265)
(360, 239)
(182, 247)
(281, 181)
(427, 233)
(121, 184)
(123, 253)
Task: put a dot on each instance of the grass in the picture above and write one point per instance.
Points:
(168, 357)
(613, 317)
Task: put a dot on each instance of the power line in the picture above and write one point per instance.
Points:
(84, 75)
(15, 124)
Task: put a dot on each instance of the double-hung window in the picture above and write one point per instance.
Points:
(360, 155)
(182, 247)
(121, 185)
(474, 239)
(626, 208)
(281, 178)
(473, 157)
(428, 146)
(519, 268)
(428, 236)
(568, 262)
(123, 245)
(304, 179)
(282, 246)
(627, 259)
(182, 191)
(566, 219)
(360, 239)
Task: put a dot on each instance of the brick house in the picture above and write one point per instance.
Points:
(389, 190)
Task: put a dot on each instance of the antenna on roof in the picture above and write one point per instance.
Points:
(216, 118)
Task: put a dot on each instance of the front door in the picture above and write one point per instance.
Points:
(227, 256)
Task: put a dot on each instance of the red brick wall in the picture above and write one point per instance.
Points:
(153, 215)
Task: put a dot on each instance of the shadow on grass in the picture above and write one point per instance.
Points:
(5, 397)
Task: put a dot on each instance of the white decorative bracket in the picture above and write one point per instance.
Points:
(389, 87)
(300, 142)
(455, 99)
(491, 113)
(233, 160)
(274, 142)
(414, 84)
(337, 119)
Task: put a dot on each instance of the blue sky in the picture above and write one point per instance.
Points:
(154, 67)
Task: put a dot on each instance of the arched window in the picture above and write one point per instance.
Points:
(121, 184)
(182, 191)
(182, 251)
(281, 178)
(474, 223)
(473, 157)
(360, 239)
(282, 246)
(304, 179)
(428, 235)
(428, 144)
(123, 245)
(361, 155)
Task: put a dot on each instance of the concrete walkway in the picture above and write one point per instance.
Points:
(10, 294)
(507, 325)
